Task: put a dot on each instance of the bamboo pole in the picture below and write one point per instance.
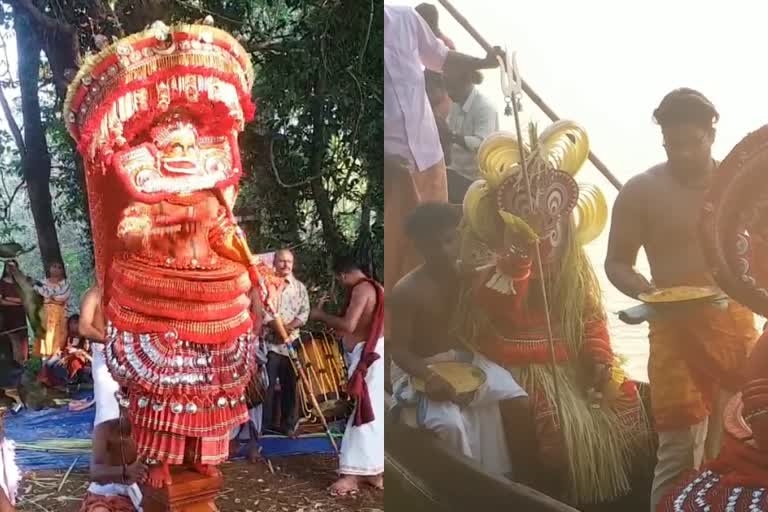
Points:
(527, 89)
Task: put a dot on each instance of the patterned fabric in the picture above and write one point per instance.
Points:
(58, 292)
(693, 355)
(292, 303)
(705, 492)
(112, 503)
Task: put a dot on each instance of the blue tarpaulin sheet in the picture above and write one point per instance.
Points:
(31, 426)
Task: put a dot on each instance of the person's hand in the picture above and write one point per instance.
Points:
(319, 310)
(136, 473)
(601, 376)
(439, 389)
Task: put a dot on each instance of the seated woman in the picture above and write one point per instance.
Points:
(71, 365)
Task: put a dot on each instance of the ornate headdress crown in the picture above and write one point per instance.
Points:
(142, 76)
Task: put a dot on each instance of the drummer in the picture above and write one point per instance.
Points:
(423, 306)
(693, 354)
(292, 304)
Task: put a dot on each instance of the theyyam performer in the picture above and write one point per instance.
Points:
(590, 423)
(156, 117)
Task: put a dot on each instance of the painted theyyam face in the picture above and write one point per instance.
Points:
(554, 195)
(178, 149)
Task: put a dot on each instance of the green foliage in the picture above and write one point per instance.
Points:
(313, 158)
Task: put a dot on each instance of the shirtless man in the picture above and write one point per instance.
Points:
(694, 354)
(93, 326)
(424, 307)
(115, 468)
(362, 330)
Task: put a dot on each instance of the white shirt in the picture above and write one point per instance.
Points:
(410, 131)
(476, 119)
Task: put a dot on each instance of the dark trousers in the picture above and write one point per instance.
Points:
(279, 367)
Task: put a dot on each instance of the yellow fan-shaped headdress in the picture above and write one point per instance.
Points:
(563, 147)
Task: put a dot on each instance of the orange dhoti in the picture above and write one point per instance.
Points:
(695, 354)
(404, 190)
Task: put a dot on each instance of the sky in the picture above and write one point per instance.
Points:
(607, 65)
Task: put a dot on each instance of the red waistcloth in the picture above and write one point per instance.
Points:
(357, 388)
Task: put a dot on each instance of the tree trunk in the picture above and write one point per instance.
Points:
(35, 161)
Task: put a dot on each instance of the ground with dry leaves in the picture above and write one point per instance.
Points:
(295, 484)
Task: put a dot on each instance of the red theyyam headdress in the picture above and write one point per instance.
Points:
(195, 74)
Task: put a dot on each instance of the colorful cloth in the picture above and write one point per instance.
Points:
(156, 117)
(692, 355)
(55, 330)
(476, 431)
(362, 448)
(596, 447)
(734, 482)
(95, 502)
(357, 385)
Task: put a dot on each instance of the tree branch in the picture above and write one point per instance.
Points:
(14, 127)
(40, 17)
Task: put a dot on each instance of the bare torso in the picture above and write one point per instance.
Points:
(657, 212)
(117, 448)
(92, 322)
(428, 306)
(671, 239)
(363, 328)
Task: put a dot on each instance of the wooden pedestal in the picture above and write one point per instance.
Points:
(190, 492)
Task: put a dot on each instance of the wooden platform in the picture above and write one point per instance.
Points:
(190, 492)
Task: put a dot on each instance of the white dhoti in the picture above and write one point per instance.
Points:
(362, 448)
(104, 387)
(11, 476)
(476, 430)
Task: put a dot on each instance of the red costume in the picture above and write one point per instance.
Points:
(601, 429)
(156, 117)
